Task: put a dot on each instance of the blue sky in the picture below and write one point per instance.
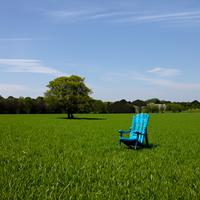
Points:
(125, 49)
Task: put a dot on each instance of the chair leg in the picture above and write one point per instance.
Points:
(136, 141)
(146, 138)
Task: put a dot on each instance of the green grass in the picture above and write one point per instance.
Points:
(48, 157)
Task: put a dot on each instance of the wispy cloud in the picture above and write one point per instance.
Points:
(125, 16)
(168, 83)
(28, 66)
(145, 78)
(165, 71)
(65, 14)
(18, 90)
(102, 15)
(168, 17)
(89, 14)
(21, 39)
(12, 89)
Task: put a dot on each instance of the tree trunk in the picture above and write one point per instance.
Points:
(70, 115)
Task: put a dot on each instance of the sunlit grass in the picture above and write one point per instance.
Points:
(49, 157)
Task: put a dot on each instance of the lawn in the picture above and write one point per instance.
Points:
(50, 157)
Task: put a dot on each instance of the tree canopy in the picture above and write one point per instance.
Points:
(70, 92)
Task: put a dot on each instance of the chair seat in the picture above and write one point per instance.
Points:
(127, 139)
(130, 142)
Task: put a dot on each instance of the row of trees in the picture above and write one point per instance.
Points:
(71, 95)
(27, 105)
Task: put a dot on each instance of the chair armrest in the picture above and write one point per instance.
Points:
(138, 133)
(123, 132)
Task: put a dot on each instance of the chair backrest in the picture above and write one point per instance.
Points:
(139, 124)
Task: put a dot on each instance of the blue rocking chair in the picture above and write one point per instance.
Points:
(137, 132)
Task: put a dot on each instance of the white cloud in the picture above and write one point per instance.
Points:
(165, 71)
(28, 66)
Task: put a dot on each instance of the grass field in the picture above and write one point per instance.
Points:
(49, 157)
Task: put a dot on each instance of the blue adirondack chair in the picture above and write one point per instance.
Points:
(137, 132)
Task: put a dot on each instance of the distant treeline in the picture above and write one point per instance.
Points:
(27, 105)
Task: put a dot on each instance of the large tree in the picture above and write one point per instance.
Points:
(70, 92)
